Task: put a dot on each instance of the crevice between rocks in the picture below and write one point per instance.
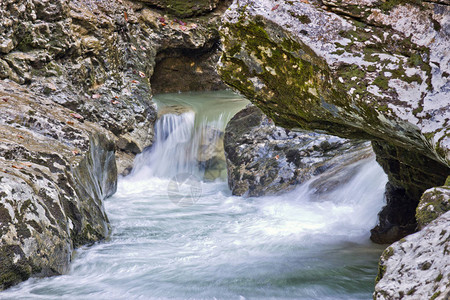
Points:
(183, 70)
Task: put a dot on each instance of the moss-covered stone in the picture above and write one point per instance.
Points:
(185, 8)
(380, 273)
(389, 4)
(433, 203)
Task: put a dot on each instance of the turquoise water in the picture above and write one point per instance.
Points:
(291, 246)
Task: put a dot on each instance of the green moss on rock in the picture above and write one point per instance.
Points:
(388, 253)
(381, 272)
(435, 295)
(433, 203)
(185, 8)
(389, 4)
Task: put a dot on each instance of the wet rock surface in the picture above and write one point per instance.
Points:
(264, 159)
(211, 155)
(417, 267)
(55, 171)
(410, 174)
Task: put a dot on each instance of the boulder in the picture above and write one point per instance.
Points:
(55, 171)
(434, 203)
(417, 267)
(264, 159)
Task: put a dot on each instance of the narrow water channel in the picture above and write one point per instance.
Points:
(291, 246)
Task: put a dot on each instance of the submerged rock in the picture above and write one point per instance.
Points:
(417, 267)
(265, 159)
(211, 155)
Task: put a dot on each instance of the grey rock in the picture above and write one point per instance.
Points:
(55, 171)
(265, 159)
(417, 267)
(433, 203)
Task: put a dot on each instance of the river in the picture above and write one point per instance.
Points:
(191, 239)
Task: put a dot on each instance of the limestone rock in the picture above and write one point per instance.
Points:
(382, 75)
(264, 159)
(55, 171)
(374, 70)
(85, 67)
(185, 8)
(417, 267)
(434, 203)
(97, 58)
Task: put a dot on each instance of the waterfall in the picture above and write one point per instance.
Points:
(182, 145)
(173, 150)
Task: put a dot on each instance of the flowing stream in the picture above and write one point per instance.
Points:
(218, 246)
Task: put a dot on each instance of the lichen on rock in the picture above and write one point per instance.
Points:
(55, 171)
(417, 267)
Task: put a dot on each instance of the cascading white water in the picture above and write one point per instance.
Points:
(180, 146)
(305, 244)
(174, 148)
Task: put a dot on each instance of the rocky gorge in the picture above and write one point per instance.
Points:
(77, 79)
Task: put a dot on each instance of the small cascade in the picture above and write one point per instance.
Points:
(174, 148)
(188, 139)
